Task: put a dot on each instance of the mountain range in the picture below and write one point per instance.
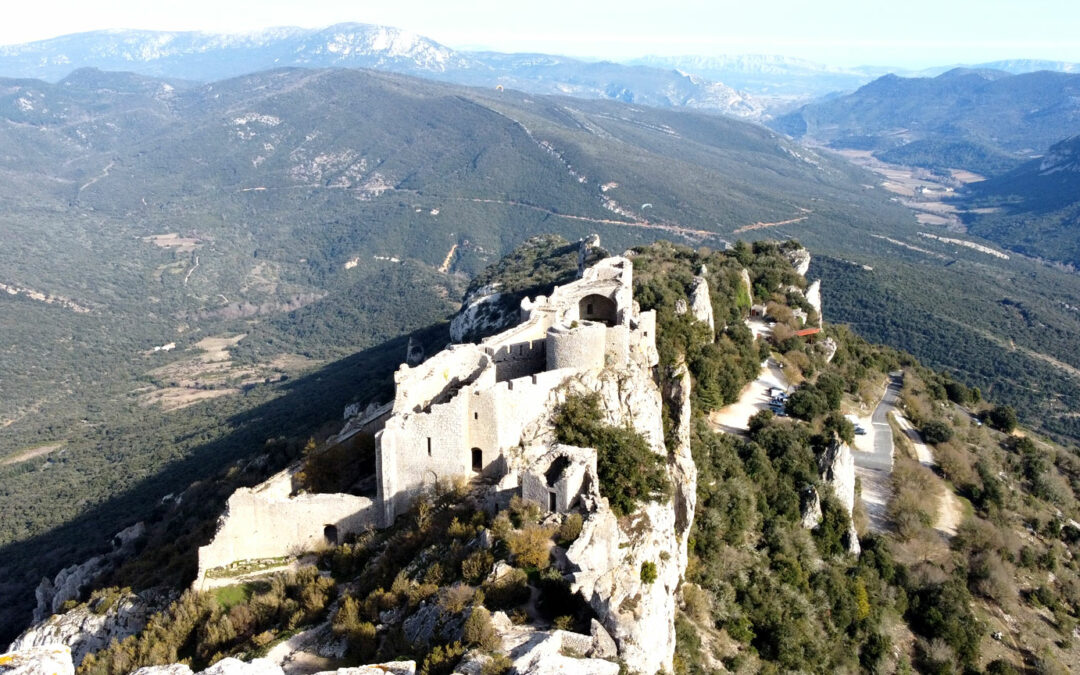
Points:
(1034, 208)
(980, 120)
(207, 57)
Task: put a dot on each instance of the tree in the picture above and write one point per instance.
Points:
(1003, 418)
(937, 431)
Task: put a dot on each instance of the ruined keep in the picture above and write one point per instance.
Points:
(460, 412)
(457, 415)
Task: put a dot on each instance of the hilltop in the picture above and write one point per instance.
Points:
(962, 556)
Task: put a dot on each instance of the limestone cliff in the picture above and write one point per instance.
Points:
(701, 303)
(93, 625)
(607, 560)
(837, 468)
(68, 584)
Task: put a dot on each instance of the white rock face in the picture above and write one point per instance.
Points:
(837, 466)
(51, 660)
(481, 314)
(551, 652)
(640, 616)
(84, 630)
(811, 508)
(701, 303)
(51, 594)
(800, 260)
(813, 296)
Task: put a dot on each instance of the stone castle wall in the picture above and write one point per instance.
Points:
(265, 522)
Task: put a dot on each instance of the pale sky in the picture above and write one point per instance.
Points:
(909, 33)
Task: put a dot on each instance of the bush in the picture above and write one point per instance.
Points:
(936, 431)
(359, 635)
(530, 547)
(648, 572)
(478, 631)
(508, 591)
(570, 529)
(476, 567)
(1002, 418)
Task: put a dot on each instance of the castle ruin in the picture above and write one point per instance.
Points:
(463, 413)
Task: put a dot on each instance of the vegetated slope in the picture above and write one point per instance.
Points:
(763, 590)
(208, 57)
(1034, 209)
(296, 195)
(991, 114)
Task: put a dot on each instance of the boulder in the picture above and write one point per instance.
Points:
(603, 646)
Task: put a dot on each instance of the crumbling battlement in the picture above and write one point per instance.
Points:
(459, 412)
(456, 414)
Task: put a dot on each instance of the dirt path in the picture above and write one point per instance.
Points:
(445, 266)
(103, 174)
(644, 224)
(190, 271)
(762, 226)
(31, 453)
(950, 511)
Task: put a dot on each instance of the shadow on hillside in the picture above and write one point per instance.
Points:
(293, 409)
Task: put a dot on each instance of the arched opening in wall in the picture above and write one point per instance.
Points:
(330, 534)
(477, 460)
(555, 471)
(431, 481)
(598, 308)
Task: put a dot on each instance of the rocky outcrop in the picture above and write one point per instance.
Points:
(810, 508)
(800, 260)
(483, 312)
(837, 468)
(51, 660)
(70, 582)
(813, 296)
(701, 303)
(828, 349)
(92, 626)
(586, 248)
(607, 560)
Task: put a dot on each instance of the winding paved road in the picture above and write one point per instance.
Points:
(881, 459)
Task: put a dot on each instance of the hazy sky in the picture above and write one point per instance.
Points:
(841, 32)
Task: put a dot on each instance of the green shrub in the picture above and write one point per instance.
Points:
(648, 572)
(508, 591)
(476, 567)
(530, 547)
(1002, 418)
(936, 431)
(629, 471)
(570, 529)
(478, 631)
